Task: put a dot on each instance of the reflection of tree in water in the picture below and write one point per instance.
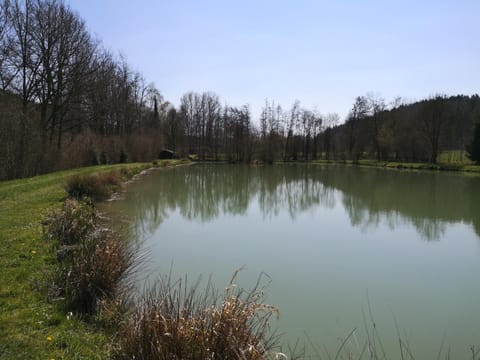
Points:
(204, 192)
(473, 188)
(429, 201)
(197, 192)
(295, 188)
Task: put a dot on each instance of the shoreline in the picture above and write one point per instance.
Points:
(402, 166)
(30, 325)
(466, 169)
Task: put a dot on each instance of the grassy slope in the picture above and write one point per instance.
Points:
(423, 166)
(408, 166)
(30, 327)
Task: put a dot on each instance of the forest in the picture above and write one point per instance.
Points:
(66, 101)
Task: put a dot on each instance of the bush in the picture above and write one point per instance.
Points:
(72, 223)
(93, 271)
(178, 322)
(123, 157)
(104, 158)
(91, 157)
(92, 261)
(97, 187)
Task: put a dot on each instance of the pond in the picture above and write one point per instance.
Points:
(344, 247)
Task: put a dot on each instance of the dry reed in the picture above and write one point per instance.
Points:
(97, 186)
(177, 321)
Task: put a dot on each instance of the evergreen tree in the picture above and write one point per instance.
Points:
(474, 148)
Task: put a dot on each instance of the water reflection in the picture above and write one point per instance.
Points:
(428, 201)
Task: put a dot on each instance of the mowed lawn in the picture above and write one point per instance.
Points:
(30, 326)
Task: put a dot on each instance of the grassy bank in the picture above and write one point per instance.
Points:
(458, 167)
(30, 326)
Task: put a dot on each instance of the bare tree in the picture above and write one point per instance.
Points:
(331, 122)
(433, 120)
(292, 120)
(7, 69)
(307, 123)
(316, 131)
(171, 128)
(359, 111)
(25, 64)
(66, 52)
(377, 106)
(270, 123)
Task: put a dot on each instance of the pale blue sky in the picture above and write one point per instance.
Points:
(324, 53)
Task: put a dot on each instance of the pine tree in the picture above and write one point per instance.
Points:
(473, 149)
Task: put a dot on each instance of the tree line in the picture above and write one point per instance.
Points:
(402, 131)
(66, 101)
(374, 129)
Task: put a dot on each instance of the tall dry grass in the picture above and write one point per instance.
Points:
(175, 321)
(73, 222)
(94, 273)
(97, 186)
(93, 262)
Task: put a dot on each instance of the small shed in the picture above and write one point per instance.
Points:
(166, 154)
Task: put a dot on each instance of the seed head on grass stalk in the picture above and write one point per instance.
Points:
(173, 320)
(96, 186)
(93, 263)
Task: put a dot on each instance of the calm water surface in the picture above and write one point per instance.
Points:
(334, 241)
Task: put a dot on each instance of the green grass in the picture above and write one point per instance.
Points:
(461, 167)
(427, 166)
(30, 326)
(454, 157)
(451, 160)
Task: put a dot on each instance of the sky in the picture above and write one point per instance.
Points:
(323, 53)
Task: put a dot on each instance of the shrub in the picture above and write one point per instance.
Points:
(104, 159)
(72, 223)
(173, 321)
(92, 261)
(97, 186)
(93, 271)
(91, 157)
(123, 158)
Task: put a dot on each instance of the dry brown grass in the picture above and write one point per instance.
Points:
(97, 186)
(69, 225)
(175, 321)
(94, 272)
(92, 261)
